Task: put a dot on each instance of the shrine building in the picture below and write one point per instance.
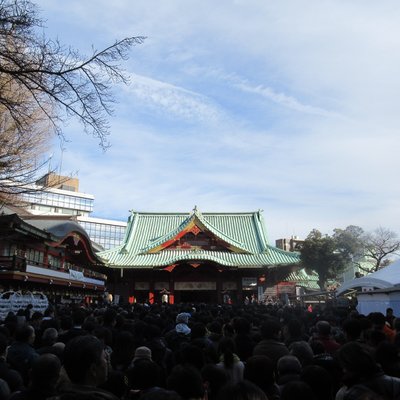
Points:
(195, 257)
(51, 255)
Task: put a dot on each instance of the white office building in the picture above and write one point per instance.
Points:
(58, 195)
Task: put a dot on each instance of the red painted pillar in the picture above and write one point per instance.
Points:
(151, 297)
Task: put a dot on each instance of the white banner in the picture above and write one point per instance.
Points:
(195, 285)
(76, 275)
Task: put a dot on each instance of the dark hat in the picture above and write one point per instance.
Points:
(141, 353)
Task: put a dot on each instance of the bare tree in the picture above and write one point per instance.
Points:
(42, 84)
(379, 245)
(59, 80)
(21, 152)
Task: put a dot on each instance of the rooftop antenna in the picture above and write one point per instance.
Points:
(61, 161)
(49, 161)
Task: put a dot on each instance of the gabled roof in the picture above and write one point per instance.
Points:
(304, 279)
(243, 234)
(52, 230)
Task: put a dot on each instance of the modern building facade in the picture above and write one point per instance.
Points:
(292, 244)
(196, 257)
(58, 195)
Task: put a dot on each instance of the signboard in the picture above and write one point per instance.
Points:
(142, 286)
(367, 288)
(195, 285)
(287, 287)
(161, 285)
(249, 282)
(229, 285)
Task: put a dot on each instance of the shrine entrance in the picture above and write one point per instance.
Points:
(196, 292)
(196, 296)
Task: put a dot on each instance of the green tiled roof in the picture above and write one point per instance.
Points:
(302, 278)
(244, 232)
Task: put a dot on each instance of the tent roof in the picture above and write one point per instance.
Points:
(384, 278)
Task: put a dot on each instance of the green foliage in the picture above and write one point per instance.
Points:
(326, 255)
(351, 241)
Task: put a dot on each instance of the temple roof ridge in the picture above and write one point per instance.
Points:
(195, 215)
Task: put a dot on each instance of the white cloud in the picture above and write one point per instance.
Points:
(284, 100)
(173, 100)
(287, 106)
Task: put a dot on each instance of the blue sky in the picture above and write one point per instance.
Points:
(287, 106)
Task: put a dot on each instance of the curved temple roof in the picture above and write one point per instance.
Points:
(148, 236)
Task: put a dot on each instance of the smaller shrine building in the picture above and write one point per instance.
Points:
(51, 255)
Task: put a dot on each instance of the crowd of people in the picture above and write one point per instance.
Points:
(199, 352)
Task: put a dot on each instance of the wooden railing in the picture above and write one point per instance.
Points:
(17, 263)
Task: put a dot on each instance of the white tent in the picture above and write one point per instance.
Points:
(376, 291)
(387, 277)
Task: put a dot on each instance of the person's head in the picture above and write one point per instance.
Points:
(243, 390)
(227, 348)
(241, 325)
(378, 320)
(323, 328)
(214, 379)
(49, 312)
(36, 317)
(270, 329)
(352, 329)
(198, 330)
(109, 317)
(319, 380)
(260, 371)
(103, 334)
(317, 347)
(142, 353)
(373, 337)
(45, 371)
(187, 382)
(78, 317)
(182, 318)
(356, 360)
(294, 328)
(386, 354)
(215, 327)
(66, 322)
(303, 351)
(25, 333)
(84, 361)
(288, 365)
(192, 355)
(50, 336)
(143, 374)
(389, 312)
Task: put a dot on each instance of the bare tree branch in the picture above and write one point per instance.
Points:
(42, 84)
